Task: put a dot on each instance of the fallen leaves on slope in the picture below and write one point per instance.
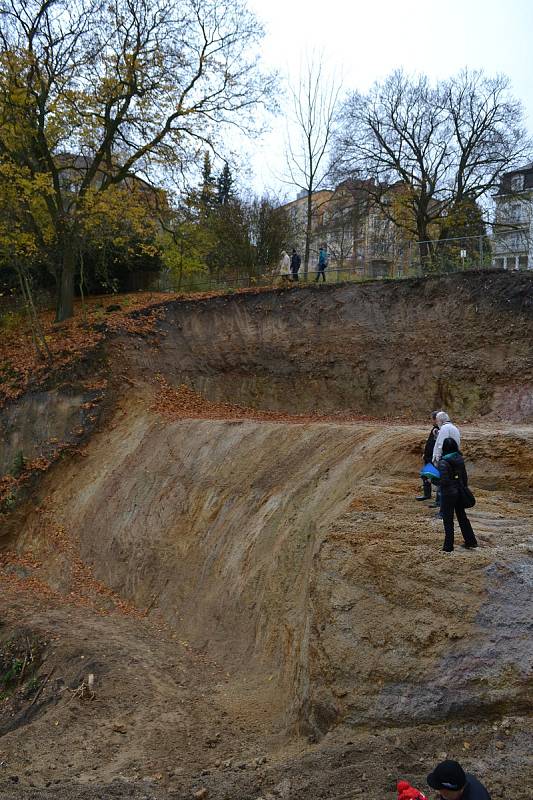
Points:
(72, 340)
(21, 574)
(185, 403)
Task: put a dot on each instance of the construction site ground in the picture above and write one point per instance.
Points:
(217, 583)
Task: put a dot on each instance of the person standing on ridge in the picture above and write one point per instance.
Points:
(322, 264)
(284, 266)
(453, 783)
(453, 472)
(446, 429)
(428, 457)
(295, 264)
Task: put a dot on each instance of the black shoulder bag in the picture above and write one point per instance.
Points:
(467, 498)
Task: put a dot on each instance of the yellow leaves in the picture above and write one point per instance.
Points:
(119, 213)
(23, 197)
(146, 249)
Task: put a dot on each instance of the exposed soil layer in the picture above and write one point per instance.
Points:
(385, 348)
(264, 609)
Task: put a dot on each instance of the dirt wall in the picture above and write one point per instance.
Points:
(38, 421)
(395, 348)
(298, 551)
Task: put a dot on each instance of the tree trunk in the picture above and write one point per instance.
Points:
(180, 273)
(308, 233)
(425, 245)
(65, 289)
(37, 333)
(423, 252)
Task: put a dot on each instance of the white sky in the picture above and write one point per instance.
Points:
(366, 40)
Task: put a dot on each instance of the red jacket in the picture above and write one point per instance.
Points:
(408, 792)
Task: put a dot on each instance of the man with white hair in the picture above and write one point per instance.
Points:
(446, 430)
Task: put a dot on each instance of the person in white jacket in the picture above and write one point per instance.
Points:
(446, 429)
(284, 266)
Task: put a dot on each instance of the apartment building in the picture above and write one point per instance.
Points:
(513, 220)
(360, 235)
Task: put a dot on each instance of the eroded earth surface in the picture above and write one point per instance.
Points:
(263, 607)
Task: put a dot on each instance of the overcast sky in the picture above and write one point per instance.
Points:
(365, 41)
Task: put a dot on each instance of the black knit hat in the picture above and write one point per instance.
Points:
(447, 775)
(449, 445)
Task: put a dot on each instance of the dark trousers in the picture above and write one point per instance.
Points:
(450, 503)
(426, 483)
(295, 275)
(321, 271)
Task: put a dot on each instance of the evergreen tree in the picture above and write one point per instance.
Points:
(225, 182)
(207, 191)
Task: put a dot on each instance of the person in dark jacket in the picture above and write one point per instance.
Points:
(452, 470)
(428, 458)
(296, 262)
(453, 783)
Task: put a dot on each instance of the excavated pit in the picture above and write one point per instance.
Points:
(289, 585)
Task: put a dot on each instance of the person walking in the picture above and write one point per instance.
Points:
(428, 457)
(446, 429)
(296, 262)
(453, 783)
(322, 264)
(284, 266)
(453, 472)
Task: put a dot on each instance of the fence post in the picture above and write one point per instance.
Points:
(481, 250)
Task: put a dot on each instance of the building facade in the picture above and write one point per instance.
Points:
(513, 221)
(361, 238)
(297, 211)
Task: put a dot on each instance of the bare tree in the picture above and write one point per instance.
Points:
(489, 139)
(399, 132)
(314, 104)
(101, 90)
(489, 135)
(445, 145)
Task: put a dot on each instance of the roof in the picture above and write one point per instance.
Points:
(525, 168)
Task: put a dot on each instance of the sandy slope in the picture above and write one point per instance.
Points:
(294, 588)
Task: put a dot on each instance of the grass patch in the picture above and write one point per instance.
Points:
(21, 656)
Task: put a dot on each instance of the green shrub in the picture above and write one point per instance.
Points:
(11, 320)
(19, 464)
(20, 659)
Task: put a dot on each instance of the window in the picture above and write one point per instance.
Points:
(514, 213)
(517, 183)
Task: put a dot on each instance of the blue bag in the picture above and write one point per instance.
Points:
(429, 471)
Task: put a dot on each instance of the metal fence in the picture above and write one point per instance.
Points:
(503, 251)
(508, 248)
